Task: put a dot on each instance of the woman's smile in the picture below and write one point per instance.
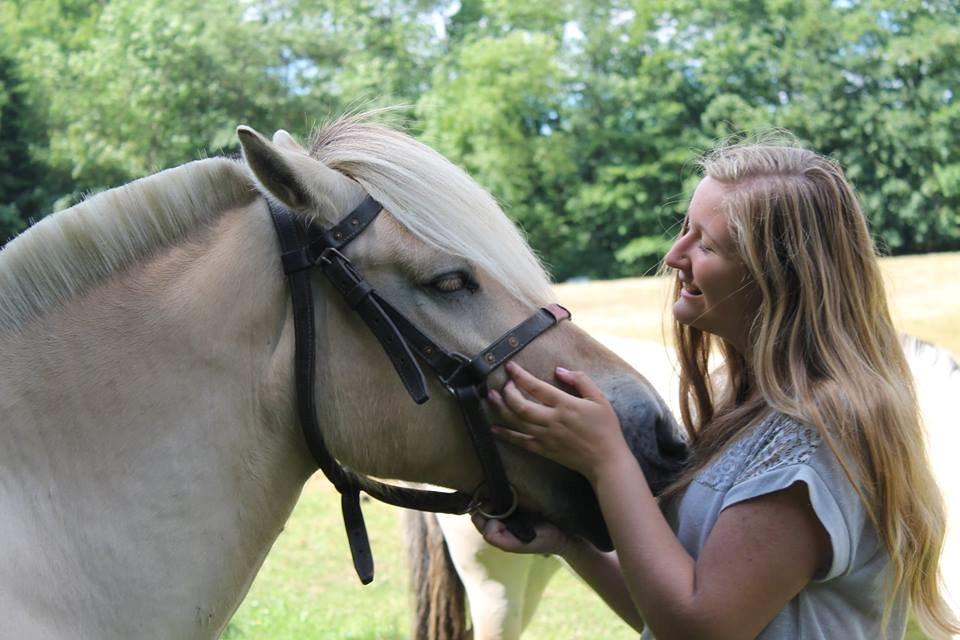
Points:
(717, 294)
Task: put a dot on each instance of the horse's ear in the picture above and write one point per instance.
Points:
(283, 139)
(275, 169)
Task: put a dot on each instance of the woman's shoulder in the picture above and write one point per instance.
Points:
(780, 441)
(775, 442)
(777, 452)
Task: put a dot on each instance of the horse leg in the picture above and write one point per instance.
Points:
(542, 569)
(497, 583)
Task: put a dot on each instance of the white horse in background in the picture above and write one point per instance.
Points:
(502, 590)
(149, 447)
(937, 377)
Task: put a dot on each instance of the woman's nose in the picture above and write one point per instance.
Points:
(676, 257)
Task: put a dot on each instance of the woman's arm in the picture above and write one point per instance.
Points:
(601, 571)
(758, 556)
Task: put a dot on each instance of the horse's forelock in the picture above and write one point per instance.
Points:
(434, 199)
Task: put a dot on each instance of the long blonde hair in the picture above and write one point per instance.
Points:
(823, 350)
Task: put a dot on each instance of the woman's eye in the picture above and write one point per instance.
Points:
(451, 282)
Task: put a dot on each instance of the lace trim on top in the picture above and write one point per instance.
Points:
(779, 441)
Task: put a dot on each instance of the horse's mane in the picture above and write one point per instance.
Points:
(434, 199)
(74, 250)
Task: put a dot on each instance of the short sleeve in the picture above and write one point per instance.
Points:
(785, 453)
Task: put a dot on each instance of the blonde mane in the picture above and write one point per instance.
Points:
(74, 250)
(434, 199)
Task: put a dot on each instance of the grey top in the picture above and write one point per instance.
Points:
(846, 601)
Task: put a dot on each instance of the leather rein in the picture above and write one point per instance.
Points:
(305, 247)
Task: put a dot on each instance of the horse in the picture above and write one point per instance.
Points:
(504, 589)
(152, 447)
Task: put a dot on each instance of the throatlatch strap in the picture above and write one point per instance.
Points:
(297, 259)
(291, 235)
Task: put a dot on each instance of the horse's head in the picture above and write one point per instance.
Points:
(446, 256)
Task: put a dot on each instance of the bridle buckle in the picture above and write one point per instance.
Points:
(448, 380)
(327, 257)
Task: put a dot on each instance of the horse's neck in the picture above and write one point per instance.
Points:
(149, 457)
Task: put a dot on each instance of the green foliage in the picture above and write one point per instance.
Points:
(12, 152)
(158, 83)
(21, 188)
(495, 110)
(583, 117)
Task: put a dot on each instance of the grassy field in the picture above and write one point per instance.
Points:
(307, 588)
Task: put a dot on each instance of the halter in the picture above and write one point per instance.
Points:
(305, 247)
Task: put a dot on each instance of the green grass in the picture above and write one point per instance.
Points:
(307, 588)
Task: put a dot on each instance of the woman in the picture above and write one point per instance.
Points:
(808, 509)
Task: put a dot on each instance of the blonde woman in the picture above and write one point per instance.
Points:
(808, 509)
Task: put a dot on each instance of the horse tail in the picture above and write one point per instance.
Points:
(440, 609)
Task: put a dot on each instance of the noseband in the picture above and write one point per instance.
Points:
(304, 248)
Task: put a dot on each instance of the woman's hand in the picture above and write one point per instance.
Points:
(581, 432)
(549, 539)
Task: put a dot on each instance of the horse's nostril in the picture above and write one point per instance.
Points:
(669, 442)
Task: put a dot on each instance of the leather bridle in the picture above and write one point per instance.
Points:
(305, 247)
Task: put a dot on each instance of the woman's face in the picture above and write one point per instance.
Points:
(717, 295)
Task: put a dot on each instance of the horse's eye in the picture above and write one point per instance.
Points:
(452, 282)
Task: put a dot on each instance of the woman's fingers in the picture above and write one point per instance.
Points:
(533, 386)
(549, 538)
(525, 409)
(581, 383)
(514, 410)
(518, 438)
(496, 533)
(519, 432)
(550, 395)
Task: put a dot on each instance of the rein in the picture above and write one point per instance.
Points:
(304, 248)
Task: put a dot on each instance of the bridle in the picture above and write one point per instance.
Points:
(304, 247)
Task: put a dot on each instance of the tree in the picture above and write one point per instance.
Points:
(584, 117)
(19, 176)
(495, 107)
(869, 83)
(574, 123)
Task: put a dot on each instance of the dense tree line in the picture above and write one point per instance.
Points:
(582, 116)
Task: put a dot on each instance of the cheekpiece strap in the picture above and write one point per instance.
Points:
(304, 247)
